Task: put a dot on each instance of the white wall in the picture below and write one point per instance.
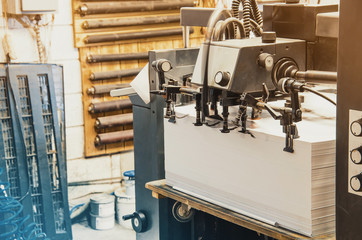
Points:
(58, 40)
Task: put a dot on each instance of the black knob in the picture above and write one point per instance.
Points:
(356, 128)
(222, 78)
(139, 221)
(127, 217)
(356, 183)
(356, 155)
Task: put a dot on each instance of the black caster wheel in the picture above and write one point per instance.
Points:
(182, 213)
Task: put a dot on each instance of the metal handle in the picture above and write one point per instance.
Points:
(128, 217)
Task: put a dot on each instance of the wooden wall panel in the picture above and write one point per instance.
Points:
(127, 46)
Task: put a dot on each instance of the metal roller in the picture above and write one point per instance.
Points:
(109, 106)
(311, 75)
(131, 6)
(114, 74)
(101, 89)
(121, 22)
(114, 121)
(113, 137)
(133, 35)
(94, 58)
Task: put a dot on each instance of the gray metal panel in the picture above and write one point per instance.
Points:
(149, 165)
(195, 16)
(327, 24)
(294, 20)
(182, 61)
(348, 206)
(248, 75)
(192, 16)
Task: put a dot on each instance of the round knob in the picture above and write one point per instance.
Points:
(269, 37)
(139, 222)
(356, 128)
(356, 183)
(222, 78)
(266, 60)
(356, 155)
(162, 65)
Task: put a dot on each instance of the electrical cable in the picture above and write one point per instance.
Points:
(222, 26)
(246, 17)
(12, 224)
(251, 13)
(318, 93)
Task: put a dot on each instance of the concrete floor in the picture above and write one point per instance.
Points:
(81, 231)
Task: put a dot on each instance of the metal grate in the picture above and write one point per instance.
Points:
(8, 138)
(32, 158)
(47, 114)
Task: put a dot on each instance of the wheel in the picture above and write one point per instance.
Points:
(139, 222)
(182, 213)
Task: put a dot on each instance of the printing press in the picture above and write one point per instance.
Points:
(245, 122)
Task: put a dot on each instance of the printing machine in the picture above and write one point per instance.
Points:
(298, 45)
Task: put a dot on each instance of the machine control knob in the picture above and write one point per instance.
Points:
(266, 60)
(139, 221)
(162, 65)
(268, 37)
(356, 128)
(356, 155)
(356, 183)
(222, 78)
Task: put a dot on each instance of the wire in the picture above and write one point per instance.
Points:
(12, 224)
(319, 94)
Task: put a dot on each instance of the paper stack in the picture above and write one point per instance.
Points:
(254, 176)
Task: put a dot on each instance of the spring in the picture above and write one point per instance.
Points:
(39, 43)
(235, 9)
(12, 225)
(250, 13)
(246, 17)
(256, 12)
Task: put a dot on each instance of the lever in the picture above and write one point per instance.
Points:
(161, 66)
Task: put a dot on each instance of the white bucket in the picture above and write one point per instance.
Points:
(102, 223)
(125, 205)
(130, 188)
(102, 205)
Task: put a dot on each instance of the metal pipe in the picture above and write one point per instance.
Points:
(113, 121)
(94, 58)
(316, 75)
(186, 36)
(109, 106)
(113, 137)
(132, 35)
(101, 89)
(132, 6)
(114, 74)
(121, 22)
